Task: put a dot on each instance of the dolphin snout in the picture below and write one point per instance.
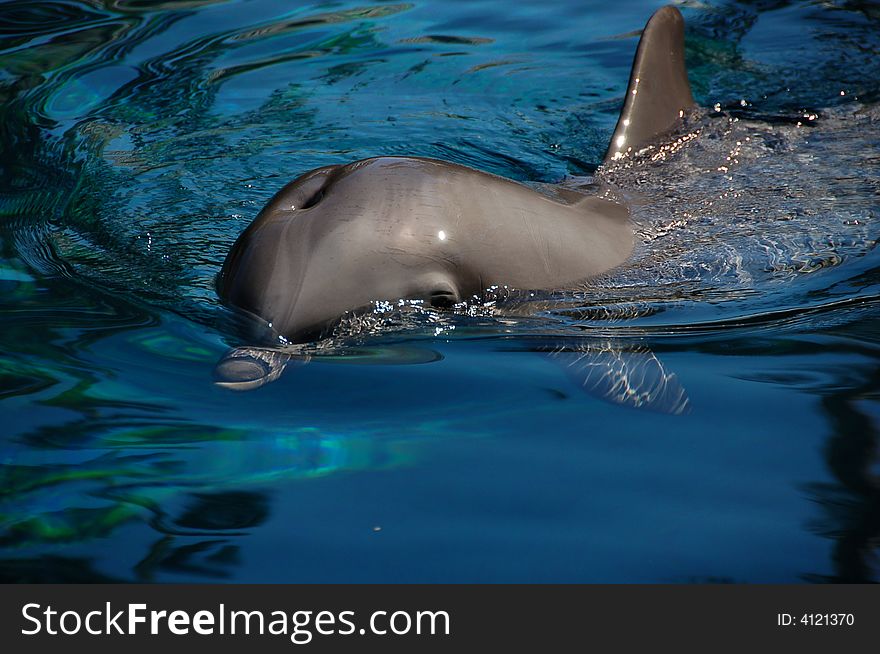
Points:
(248, 368)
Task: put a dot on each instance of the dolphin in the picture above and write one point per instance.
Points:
(339, 238)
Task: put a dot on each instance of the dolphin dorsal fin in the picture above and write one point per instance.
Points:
(658, 91)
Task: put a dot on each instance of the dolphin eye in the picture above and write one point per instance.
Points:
(442, 299)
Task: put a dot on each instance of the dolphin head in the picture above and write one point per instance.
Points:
(335, 240)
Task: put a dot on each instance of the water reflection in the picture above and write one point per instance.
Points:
(139, 137)
(848, 396)
(248, 368)
(204, 489)
(52, 570)
(206, 559)
(852, 504)
(221, 515)
(785, 55)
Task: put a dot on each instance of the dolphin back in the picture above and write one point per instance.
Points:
(658, 93)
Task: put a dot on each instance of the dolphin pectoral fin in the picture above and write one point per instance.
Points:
(631, 377)
(247, 368)
(658, 93)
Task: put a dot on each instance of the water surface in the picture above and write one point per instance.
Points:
(730, 428)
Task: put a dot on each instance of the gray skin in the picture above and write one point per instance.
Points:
(341, 237)
(395, 227)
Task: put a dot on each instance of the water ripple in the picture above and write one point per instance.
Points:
(139, 137)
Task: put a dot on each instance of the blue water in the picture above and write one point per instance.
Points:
(138, 138)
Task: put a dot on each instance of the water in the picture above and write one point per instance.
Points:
(728, 427)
